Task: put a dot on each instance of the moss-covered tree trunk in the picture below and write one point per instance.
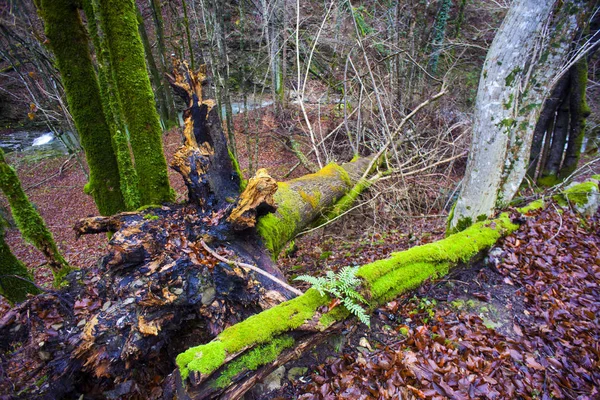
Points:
(15, 281)
(119, 24)
(29, 221)
(69, 42)
(112, 111)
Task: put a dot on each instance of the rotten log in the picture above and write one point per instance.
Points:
(119, 325)
(242, 354)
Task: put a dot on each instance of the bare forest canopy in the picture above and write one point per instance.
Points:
(213, 146)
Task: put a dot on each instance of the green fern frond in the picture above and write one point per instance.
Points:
(342, 285)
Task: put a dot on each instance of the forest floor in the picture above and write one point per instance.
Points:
(520, 323)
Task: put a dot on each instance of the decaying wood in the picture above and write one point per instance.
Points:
(256, 199)
(100, 224)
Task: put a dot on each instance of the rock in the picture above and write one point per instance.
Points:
(270, 383)
(296, 372)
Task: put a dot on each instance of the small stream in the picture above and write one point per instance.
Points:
(34, 141)
(48, 144)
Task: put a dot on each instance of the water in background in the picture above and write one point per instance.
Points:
(33, 142)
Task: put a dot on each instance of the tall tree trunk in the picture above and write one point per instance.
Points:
(69, 42)
(119, 24)
(163, 57)
(112, 111)
(545, 123)
(579, 112)
(155, 75)
(509, 101)
(549, 174)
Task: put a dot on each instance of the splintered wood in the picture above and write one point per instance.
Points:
(257, 199)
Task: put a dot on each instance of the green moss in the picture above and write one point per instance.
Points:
(510, 78)
(534, 205)
(69, 42)
(278, 228)
(151, 217)
(345, 203)
(312, 199)
(237, 170)
(548, 180)
(459, 247)
(257, 329)
(205, 358)
(255, 358)
(578, 195)
(119, 24)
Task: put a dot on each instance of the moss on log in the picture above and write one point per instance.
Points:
(303, 200)
(383, 280)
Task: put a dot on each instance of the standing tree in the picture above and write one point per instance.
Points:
(527, 57)
(68, 40)
(15, 281)
(120, 26)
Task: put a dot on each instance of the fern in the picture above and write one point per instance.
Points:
(341, 285)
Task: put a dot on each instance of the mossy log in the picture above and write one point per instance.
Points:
(254, 347)
(175, 271)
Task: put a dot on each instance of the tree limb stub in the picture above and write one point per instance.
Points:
(257, 199)
(383, 280)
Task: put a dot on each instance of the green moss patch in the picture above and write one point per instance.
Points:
(254, 359)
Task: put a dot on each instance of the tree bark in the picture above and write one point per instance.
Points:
(69, 43)
(579, 112)
(520, 68)
(545, 124)
(30, 222)
(119, 24)
(549, 175)
(15, 281)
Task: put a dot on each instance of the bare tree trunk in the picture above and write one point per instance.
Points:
(544, 125)
(521, 67)
(579, 112)
(549, 174)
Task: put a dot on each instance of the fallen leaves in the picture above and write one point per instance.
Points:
(440, 352)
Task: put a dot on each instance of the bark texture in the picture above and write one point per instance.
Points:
(119, 24)
(69, 43)
(520, 69)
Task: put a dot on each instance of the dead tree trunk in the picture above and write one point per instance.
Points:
(171, 272)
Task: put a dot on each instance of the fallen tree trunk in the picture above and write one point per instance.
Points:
(171, 271)
(256, 346)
